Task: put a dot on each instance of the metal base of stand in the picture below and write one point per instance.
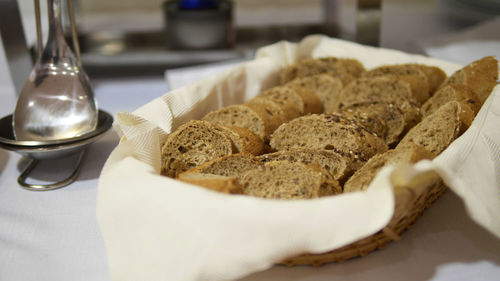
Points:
(44, 187)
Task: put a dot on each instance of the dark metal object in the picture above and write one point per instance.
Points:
(207, 26)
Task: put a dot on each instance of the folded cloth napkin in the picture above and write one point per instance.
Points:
(157, 228)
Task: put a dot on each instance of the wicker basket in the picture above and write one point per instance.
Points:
(410, 204)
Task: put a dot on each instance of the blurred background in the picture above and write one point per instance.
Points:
(129, 37)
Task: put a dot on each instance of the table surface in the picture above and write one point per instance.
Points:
(55, 236)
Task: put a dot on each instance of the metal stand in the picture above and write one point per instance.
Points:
(44, 187)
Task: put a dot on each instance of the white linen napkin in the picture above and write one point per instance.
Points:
(157, 228)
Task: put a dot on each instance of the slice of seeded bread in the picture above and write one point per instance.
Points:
(366, 118)
(193, 144)
(335, 164)
(388, 89)
(435, 75)
(217, 183)
(407, 154)
(393, 119)
(453, 92)
(257, 118)
(481, 76)
(288, 100)
(271, 108)
(244, 140)
(288, 180)
(416, 78)
(337, 67)
(234, 165)
(333, 132)
(382, 89)
(300, 99)
(326, 87)
(436, 131)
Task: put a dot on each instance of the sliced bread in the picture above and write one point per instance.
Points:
(382, 89)
(362, 178)
(244, 140)
(233, 165)
(394, 119)
(271, 108)
(436, 131)
(337, 67)
(435, 75)
(367, 118)
(452, 92)
(388, 89)
(333, 132)
(213, 182)
(288, 180)
(326, 87)
(300, 100)
(259, 119)
(481, 76)
(416, 78)
(193, 144)
(335, 164)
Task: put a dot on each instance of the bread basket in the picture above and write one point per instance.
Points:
(157, 228)
(411, 202)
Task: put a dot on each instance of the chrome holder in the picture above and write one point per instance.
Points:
(44, 187)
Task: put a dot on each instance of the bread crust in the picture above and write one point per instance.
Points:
(452, 92)
(436, 131)
(244, 140)
(410, 153)
(480, 75)
(223, 184)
